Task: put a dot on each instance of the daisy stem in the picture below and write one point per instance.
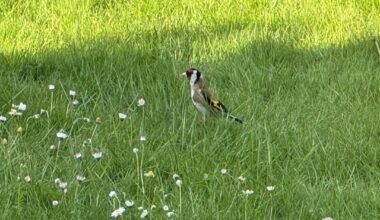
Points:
(180, 200)
(74, 122)
(56, 157)
(93, 132)
(141, 172)
(67, 110)
(245, 208)
(142, 157)
(26, 126)
(137, 166)
(377, 47)
(51, 102)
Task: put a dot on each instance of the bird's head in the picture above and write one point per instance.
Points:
(192, 74)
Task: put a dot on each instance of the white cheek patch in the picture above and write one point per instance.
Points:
(193, 78)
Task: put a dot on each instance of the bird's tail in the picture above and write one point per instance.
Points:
(236, 119)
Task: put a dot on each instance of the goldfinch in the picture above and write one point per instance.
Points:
(203, 99)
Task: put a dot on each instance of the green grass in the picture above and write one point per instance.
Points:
(303, 75)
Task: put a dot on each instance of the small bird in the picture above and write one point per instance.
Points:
(203, 99)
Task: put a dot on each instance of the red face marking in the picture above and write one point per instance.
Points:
(189, 72)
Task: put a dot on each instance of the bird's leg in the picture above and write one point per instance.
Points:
(204, 117)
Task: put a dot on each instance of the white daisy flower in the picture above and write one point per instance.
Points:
(223, 171)
(144, 213)
(327, 218)
(22, 106)
(169, 214)
(52, 147)
(129, 203)
(118, 212)
(80, 178)
(51, 87)
(55, 202)
(18, 114)
(62, 134)
(78, 155)
(27, 179)
(141, 102)
(242, 178)
(112, 194)
(122, 116)
(3, 118)
(165, 208)
(14, 112)
(36, 116)
(87, 142)
(86, 119)
(97, 155)
(270, 188)
(142, 138)
(62, 185)
(57, 181)
(43, 111)
(247, 192)
(135, 150)
(177, 180)
(140, 208)
(72, 93)
(75, 102)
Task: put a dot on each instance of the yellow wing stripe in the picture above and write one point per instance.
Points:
(215, 104)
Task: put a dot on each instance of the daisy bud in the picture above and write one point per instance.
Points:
(19, 130)
(98, 120)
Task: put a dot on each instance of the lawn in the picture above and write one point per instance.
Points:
(303, 75)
